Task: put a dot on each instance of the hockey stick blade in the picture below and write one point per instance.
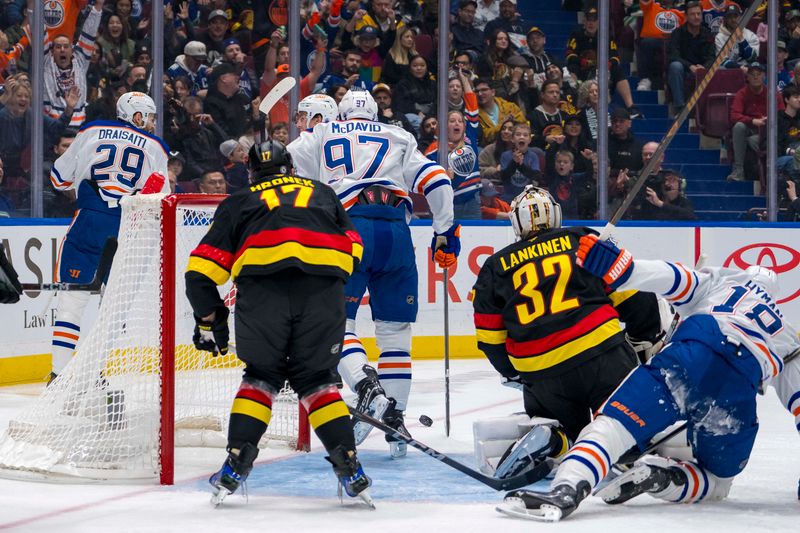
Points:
(537, 473)
(278, 91)
(93, 287)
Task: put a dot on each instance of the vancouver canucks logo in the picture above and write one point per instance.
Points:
(462, 160)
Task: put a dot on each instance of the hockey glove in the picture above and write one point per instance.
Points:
(605, 260)
(514, 382)
(154, 184)
(446, 246)
(212, 336)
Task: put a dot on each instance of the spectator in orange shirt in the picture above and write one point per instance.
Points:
(492, 207)
(658, 23)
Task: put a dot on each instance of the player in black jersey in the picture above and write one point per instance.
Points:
(545, 323)
(290, 246)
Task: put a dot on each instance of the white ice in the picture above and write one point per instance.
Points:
(296, 492)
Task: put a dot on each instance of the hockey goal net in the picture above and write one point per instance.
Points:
(136, 386)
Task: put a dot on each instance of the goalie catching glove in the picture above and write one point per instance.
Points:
(446, 246)
(605, 260)
(212, 336)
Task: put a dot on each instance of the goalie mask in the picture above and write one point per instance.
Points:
(532, 211)
(358, 104)
(129, 104)
(317, 104)
(267, 159)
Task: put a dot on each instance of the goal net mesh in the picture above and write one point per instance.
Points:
(101, 418)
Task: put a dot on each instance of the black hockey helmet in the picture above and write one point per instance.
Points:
(268, 159)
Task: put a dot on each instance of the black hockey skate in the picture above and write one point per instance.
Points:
(372, 400)
(233, 473)
(544, 506)
(351, 475)
(394, 419)
(647, 475)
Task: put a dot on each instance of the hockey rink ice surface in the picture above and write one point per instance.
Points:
(290, 491)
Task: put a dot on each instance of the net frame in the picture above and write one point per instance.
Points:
(32, 447)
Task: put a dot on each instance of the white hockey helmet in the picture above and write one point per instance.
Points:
(765, 277)
(534, 210)
(134, 102)
(318, 104)
(358, 103)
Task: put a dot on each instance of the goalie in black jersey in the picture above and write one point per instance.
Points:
(290, 246)
(553, 330)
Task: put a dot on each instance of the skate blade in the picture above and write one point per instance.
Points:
(367, 499)
(378, 408)
(219, 495)
(612, 490)
(515, 508)
(398, 450)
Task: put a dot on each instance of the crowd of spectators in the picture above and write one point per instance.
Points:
(518, 112)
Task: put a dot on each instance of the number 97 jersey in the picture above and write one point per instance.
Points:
(351, 155)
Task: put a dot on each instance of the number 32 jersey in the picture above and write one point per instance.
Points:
(114, 158)
(350, 155)
(536, 308)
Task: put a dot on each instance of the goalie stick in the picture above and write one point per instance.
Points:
(103, 268)
(662, 146)
(537, 473)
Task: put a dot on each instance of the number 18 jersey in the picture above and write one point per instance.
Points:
(113, 158)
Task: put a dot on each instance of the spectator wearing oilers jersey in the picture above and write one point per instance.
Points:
(61, 17)
(658, 23)
(66, 66)
(462, 158)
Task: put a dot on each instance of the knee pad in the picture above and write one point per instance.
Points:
(393, 336)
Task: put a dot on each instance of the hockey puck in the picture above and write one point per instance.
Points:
(425, 421)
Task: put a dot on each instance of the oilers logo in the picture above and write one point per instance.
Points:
(53, 13)
(462, 160)
(667, 21)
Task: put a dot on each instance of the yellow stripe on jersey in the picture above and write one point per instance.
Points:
(330, 412)
(566, 351)
(209, 269)
(619, 297)
(245, 406)
(358, 251)
(288, 250)
(491, 336)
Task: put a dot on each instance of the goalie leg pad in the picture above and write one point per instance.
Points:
(541, 442)
(67, 328)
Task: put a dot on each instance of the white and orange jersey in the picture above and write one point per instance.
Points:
(350, 155)
(58, 82)
(116, 157)
(740, 301)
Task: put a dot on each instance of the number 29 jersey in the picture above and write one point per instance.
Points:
(113, 158)
(536, 306)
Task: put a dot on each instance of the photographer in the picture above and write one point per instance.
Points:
(196, 135)
(666, 200)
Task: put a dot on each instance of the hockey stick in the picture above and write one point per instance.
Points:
(93, 287)
(446, 354)
(537, 473)
(662, 146)
(276, 93)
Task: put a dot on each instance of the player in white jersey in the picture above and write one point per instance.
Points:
(732, 340)
(373, 167)
(66, 65)
(106, 161)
